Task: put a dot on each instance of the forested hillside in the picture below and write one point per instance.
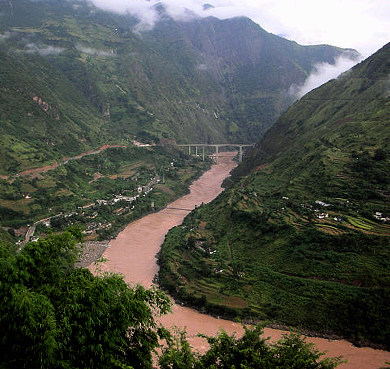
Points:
(302, 235)
(74, 76)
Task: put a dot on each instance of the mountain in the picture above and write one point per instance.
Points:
(74, 77)
(302, 235)
(250, 68)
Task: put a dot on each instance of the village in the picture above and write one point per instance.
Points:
(93, 216)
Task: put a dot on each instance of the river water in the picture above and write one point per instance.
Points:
(133, 254)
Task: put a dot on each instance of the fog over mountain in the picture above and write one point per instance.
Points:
(147, 14)
(363, 25)
(323, 72)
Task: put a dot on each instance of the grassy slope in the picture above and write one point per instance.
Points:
(101, 82)
(266, 249)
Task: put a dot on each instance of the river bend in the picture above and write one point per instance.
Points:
(133, 254)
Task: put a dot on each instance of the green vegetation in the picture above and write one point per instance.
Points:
(302, 236)
(258, 266)
(249, 351)
(103, 191)
(54, 315)
(76, 77)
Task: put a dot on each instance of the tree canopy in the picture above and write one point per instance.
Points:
(251, 351)
(56, 316)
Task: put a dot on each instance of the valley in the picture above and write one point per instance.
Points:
(132, 254)
(301, 235)
(104, 123)
(102, 193)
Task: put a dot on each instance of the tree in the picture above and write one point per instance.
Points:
(251, 351)
(177, 354)
(292, 351)
(56, 316)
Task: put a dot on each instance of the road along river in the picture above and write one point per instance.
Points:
(133, 254)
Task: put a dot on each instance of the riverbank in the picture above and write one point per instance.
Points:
(233, 317)
(91, 252)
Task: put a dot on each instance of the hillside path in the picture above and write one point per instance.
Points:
(34, 172)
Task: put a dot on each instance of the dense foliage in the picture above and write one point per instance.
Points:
(55, 316)
(251, 351)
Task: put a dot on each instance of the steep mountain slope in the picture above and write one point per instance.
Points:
(340, 134)
(203, 80)
(302, 236)
(43, 115)
(252, 69)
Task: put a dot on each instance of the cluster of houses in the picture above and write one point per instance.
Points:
(379, 216)
(318, 213)
(321, 215)
(141, 190)
(94, 226)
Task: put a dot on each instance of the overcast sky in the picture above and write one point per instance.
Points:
(360, 24)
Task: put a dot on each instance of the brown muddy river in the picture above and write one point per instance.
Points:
(133, 253)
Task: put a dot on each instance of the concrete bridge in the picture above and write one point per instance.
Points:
(216, 147)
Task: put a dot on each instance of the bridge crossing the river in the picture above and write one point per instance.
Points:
(216, 147)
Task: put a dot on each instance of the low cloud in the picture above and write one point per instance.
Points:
(147, 12)
(43, 50)
(322, 73)
(142, 10)
(92, 51)
(363, 25)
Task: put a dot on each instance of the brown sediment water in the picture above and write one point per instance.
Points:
(133, 254)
